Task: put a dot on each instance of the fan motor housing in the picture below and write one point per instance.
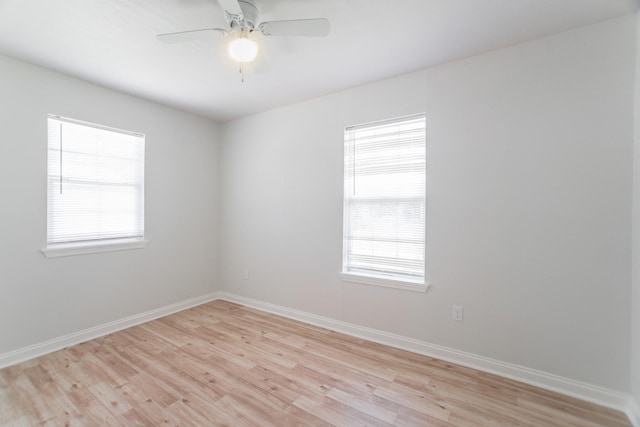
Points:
(249, 15)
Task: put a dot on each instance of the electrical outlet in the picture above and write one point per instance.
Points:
(245, 274)
(456, 313)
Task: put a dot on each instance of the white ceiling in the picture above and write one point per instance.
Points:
(113, 43)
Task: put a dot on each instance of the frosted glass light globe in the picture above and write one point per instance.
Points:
(243, 49)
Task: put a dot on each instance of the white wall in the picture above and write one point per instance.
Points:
(635, 300)
(529, 210)
(42, 298)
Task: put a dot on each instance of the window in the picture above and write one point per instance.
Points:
(384, 203)
(95, 188)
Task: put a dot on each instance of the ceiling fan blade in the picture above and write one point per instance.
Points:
(298, 27)
(231, 6)
(184, 36)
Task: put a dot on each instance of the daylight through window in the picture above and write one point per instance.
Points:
(384, 200)
(95, 189)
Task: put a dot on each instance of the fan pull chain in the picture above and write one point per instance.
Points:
(241, 70)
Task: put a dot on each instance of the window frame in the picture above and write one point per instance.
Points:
(95, 245)
(385, 279)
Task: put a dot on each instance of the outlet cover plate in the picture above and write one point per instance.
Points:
(456, 313)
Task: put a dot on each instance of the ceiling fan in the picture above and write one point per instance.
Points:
(242, 17)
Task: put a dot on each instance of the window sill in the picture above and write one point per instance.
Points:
(388, 283)
(70, 249)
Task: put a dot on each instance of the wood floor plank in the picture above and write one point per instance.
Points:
(363, 405)
(222, 364)
(337, 413)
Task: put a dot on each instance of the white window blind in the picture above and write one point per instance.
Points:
(384, 203)
(95, 189)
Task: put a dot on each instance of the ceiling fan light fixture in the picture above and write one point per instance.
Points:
(243, 49)
(243, 21)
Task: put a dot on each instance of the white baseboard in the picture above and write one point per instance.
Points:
(592, 393)
(633, 412)
(35, 350)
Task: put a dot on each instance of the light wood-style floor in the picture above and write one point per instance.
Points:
(224, 364)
